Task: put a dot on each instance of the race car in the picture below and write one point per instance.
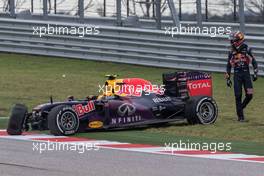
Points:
(128, 102)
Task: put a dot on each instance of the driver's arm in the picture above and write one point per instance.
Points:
(228, 66)
(253, 61)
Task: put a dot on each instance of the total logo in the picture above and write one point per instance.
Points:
(199, 85)
(84, 109)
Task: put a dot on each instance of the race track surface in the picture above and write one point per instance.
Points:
(18, 158)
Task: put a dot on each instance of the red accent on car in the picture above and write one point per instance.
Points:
(201, 87)
(134, 86)
(81, 110)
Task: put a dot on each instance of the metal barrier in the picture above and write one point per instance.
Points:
(124, 45)
(251, 29)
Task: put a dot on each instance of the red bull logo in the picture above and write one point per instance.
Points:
(81, 109)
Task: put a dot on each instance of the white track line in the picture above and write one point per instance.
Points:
(105, 144)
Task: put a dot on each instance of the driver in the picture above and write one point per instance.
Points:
(240, 58)
(112, 86)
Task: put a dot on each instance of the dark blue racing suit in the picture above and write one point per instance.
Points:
(240, 59)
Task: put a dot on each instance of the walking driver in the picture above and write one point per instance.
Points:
(239, 58)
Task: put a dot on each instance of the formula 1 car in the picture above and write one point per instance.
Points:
(129, 102)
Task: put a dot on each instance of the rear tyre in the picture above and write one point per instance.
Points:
(63, 120)
(201, 109)
(17, 119)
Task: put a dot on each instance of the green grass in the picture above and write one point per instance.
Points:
(32, 79)
(3, 123)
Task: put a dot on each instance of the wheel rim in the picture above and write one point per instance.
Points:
(68, 121)
(206, 112)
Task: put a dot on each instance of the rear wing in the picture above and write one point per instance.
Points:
(188, 84)
(199, 84)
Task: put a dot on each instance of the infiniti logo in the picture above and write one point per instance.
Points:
(126, 108)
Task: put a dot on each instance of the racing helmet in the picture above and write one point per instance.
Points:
(237, 39)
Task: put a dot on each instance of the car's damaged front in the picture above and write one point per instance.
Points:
(85, 110)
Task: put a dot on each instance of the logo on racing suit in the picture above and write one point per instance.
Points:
(81, 110)
(239, 59)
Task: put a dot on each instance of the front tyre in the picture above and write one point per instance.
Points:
(201, 109)
(17, 119)
(63, 120)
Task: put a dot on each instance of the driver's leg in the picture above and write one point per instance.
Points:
(248, 87)
(238, 95)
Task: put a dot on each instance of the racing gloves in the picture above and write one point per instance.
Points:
(228, 80)
(255, 75)
(229, 83)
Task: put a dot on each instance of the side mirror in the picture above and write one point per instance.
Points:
(70, 98)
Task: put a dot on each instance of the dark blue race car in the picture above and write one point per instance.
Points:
(185, 95)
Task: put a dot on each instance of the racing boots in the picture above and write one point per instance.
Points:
(242, 119)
